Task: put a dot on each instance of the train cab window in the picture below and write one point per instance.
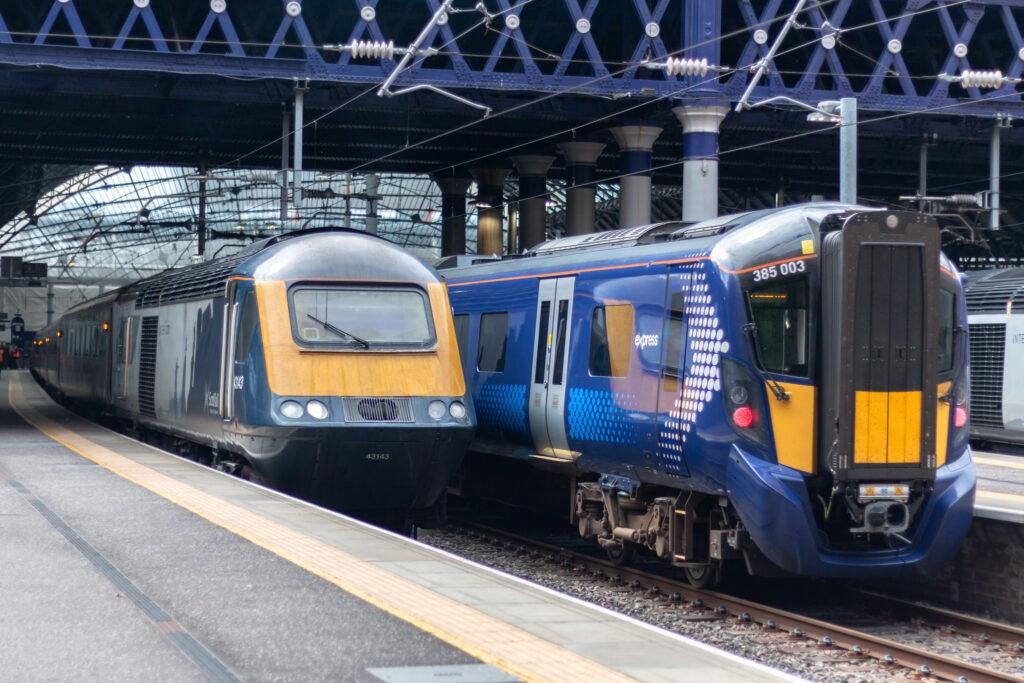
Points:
(461, 322)
(780, 314)
(490, 355)
(247, 322)
(611, 335)
(349, 317)
(947, 324)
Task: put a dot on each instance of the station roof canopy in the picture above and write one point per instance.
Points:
(131, 98)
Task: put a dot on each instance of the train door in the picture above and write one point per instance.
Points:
(672, 377)
(229, 330)
(550, 364)
(123, 357)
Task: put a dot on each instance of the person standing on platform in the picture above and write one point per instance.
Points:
(3, 354)
(15, 357)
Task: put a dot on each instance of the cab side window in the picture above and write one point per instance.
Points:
(780, 312)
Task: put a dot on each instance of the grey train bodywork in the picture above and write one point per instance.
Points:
(218, 358)
(995, 318)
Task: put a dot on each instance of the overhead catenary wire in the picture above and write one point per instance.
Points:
(767, 142)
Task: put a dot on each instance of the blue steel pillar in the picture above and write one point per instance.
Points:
(490, 206)
(700, 160)
(581, 186)
(636, 145)
(453, 213)
(533, 186)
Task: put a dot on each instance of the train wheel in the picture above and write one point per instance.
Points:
(249, 474)
(621, 553)
(702, 577)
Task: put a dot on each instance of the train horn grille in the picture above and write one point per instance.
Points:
(378, 410)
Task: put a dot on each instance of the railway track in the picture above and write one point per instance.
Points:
(798, 632)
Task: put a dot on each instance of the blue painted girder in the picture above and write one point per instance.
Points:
(588, 47)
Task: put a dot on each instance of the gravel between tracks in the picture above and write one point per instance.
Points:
(777, 650)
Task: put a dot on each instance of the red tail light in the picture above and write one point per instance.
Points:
(743, 417)
(960, 416)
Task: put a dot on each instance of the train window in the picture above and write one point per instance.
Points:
(361, 318)
(780, 313)
(542, 342)
(462, 335)
(947, 318)
(674, 342)
(490, 355)
(561, 327)
(611, 334)
(246, 327)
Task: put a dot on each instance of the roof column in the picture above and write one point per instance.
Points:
(636, 149)
(581, 186)
(490, 182)
(453, 213)
(533, 185)
(700, 160)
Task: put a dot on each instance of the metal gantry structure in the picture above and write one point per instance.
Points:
(207, 84)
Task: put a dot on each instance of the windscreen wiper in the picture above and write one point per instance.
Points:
(337, 330)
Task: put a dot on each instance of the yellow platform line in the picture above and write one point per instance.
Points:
(982, 496)
(998, 462)
(484, 637)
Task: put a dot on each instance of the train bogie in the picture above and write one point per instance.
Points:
(782, 387)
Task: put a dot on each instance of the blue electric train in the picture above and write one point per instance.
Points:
(784, 387)
(322, 363)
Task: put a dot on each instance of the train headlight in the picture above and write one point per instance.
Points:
(436, 410)
(317, 410)
(458, 410)
(738, 395)
(291, 409)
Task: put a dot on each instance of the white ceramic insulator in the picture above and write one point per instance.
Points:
(686, 67)
(372, 48)
(982, 79)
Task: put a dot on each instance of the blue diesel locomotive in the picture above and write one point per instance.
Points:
(322, 363)
(784, 387)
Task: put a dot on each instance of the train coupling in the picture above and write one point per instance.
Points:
(883, 508)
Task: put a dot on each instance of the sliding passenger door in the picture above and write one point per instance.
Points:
(229, 327)
(550, 368)
(675, 401)
(123, 356)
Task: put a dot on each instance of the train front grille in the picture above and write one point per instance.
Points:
(988, 343)
(378, 410)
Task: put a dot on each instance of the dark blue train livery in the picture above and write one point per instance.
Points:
(786, 387)
(323, 363)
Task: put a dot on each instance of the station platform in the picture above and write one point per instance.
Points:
(1000, 493)
(124, 562)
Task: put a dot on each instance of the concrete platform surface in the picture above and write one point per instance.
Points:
(1000, 486)
(122, 562)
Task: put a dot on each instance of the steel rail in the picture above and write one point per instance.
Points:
(860, 645)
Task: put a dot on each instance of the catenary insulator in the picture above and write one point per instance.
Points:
(962, 200)
(981, 79)
(372, 48)
(687, 67)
